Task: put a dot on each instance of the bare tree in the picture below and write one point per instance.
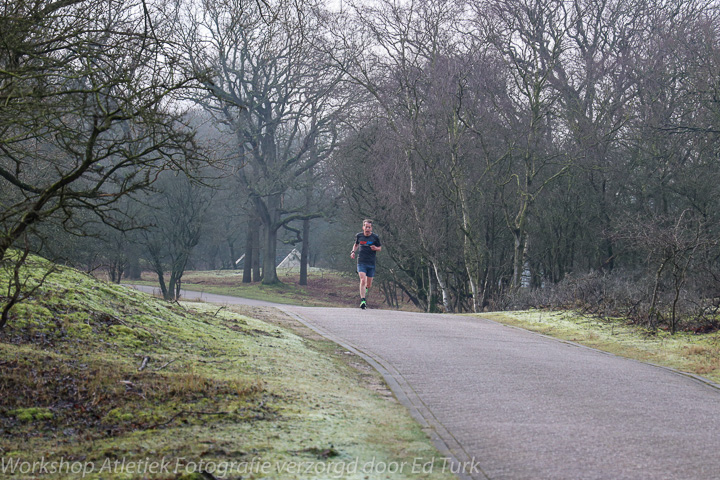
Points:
(671, 246)
(276, 92)
(85, 88)
(175, 219)
(466, 122)
(530, 37)
(392, 46)
(596, 87)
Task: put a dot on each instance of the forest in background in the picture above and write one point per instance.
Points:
(513, 154)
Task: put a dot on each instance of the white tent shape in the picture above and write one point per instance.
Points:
(291, 260)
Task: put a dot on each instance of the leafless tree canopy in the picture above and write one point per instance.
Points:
(277, 92)
(85, 120)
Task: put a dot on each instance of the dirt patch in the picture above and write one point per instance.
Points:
(368, 376)
(106, 400)
(337, 290)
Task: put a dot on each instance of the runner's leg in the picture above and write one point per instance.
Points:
(363, 283)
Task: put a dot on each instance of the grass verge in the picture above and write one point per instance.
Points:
(100, 381)
(698, 354)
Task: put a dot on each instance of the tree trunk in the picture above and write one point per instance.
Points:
(159, 271)
(469, 250)
(249, 251)
(517, 259)
(474, 290)
(176, 276)
(172, 287)
(269, 268)
(15, 286)
(233, 257)
(161, 280)
(430, 292)
(443, 288)
(117, 271)
(305, 253)
(486, 289)
(256, 257)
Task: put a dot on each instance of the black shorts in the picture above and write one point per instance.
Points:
(367, 269)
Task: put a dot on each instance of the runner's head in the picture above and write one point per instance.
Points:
(367, 227)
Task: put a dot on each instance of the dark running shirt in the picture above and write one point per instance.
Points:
(366, 255)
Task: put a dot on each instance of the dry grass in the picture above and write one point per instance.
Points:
(106, 398)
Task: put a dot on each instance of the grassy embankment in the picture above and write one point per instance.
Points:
(220, 391)
(684, 351)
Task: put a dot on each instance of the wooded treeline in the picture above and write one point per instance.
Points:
(512, 153)
(570, 147)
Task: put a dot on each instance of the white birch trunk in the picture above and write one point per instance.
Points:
(443, 289)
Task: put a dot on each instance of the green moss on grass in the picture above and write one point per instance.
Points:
(32, 414)
(118, 415)
(128, 336)
(31, 315)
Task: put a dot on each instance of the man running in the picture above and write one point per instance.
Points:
(369, 245)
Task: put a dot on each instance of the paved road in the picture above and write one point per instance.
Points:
(524, 406)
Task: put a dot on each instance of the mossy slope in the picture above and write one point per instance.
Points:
(219, 391)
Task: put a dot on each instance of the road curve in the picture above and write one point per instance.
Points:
(518, 405)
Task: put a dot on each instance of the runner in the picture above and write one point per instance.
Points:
(369, 245)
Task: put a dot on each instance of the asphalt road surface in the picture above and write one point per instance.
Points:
(504, 403)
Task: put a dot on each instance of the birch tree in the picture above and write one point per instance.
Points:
(530, 36)
(392, 45)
